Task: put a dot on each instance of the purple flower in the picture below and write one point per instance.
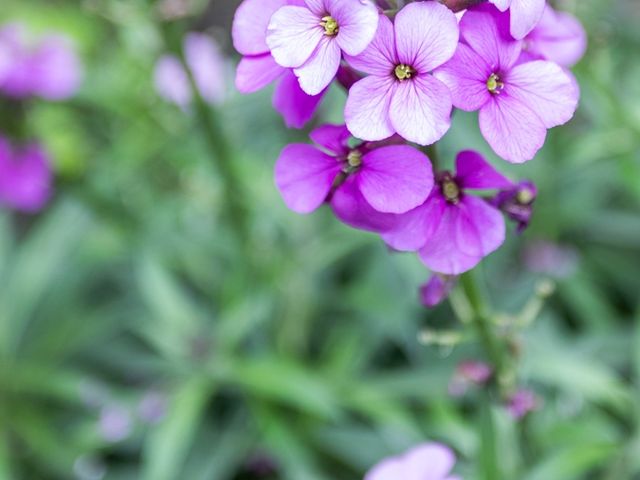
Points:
(25, 177)
(525, 14)
(153, 407)
(206, 64)
(429, 461)
(400, 95)
(115, 423)
(369, 183)
(310, 38)
(258, 68)
(467, 374)
(522, 402)
(549, 258)
(48, 68)
(453, 230)
(559, 37)
(517, 203)
(436, 289)
(518, 102)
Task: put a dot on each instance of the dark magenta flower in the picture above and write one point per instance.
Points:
(429, 461)
(25, 177)
(517, 203)
(258, 68)
(369, 183)
(517, 102)
(454, 230)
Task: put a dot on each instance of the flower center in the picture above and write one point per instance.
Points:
(330, 26)
(403, 72)
(450, 190)
(494, 84)
(525, 196)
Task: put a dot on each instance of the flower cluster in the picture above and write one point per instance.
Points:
(405, 70)
(46, 68)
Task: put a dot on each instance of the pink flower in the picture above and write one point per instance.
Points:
(453, 230)
(206, 64)
(429, 461)
(436, 289)
(525, 14)
(522, 402)
(370, 183)
(400, 95)
(559, 37)
(258, 68)
(518, 102)
(469, 373)
(25, 177)
(311, 38)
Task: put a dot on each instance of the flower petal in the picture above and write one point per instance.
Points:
(430, 461)
(466, 75)
(334, 138)
(546, 89)
(250, 23)
(395, 179)
(380, 57)
(367, 110)
(514, 132)
(420, 109)
(295, 106)
(351, 208)
(358, 23)
(426, 35)
(321, 68)
(304, 176)
(411, 230)
(525, 15)
(293, 35)
(473, 171)
(255, 73)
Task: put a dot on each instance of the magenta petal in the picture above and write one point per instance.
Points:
(255, 73)
(304, 176)
(293, 35)
(436, 290)
(296, 107)
(395, 179)
(25, 177)
(334, 138)
(468, 231)
(466, 75)
(171, 81)
(351, 207)
(367, 109)
(525, 15)
(473, 171)
(56, 69)
(250, 23)
(426, 35)
(486, 31)
(358, 23)
(420, 109)
(546, 89)
(380, 57)
(318, 72)
(514, 132)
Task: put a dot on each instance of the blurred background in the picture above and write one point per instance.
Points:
(164, 316)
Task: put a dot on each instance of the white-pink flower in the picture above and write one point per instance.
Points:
(429, 461)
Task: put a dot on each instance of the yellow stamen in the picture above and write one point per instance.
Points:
(404, 72)
(525, 196)
(451, 191)
(330, 26)
(494, 85)
(354, 159)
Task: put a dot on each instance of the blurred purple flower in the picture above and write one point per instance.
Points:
(436, 289)
(207, 64)
(468, 373)
(558, 261)
(152, 407)
(25, 177)
(522, 402)
(517, 203)
(429, 461)
(47, 67)
(115, 423)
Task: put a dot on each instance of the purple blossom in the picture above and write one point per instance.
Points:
(47, 67)
(559, 37)
(517, 203)
(368, 183)
(518, 102)
(25, 177)
(549, 258)
(429, 461)
(436, 289)
(115, 423)
(522, 402)
(524, 14)
(467, 374)
(153, 407)
(206, 62)
(453, 230)
(310, 38)
(258, 68)
(400, 95)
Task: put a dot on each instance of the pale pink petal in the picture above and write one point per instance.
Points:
(367, 109)
(358, 23)
(474, 172)
(351, 208)
(486, 31)
(420, 109)
(250, 23)
(55, 69)
(525, 15)
(318, 7)
(546, 89)
(255, 73)
(296, 107)
(501, 4)
(426, 35)
(333, 138)
(304, 176)
(411, 230)
(171, 81)
(293, 35)
(380, 57)
(395, 179)
(430, 461)
(466, 75)
(208, 66)
(318, 72)
(514, 132)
